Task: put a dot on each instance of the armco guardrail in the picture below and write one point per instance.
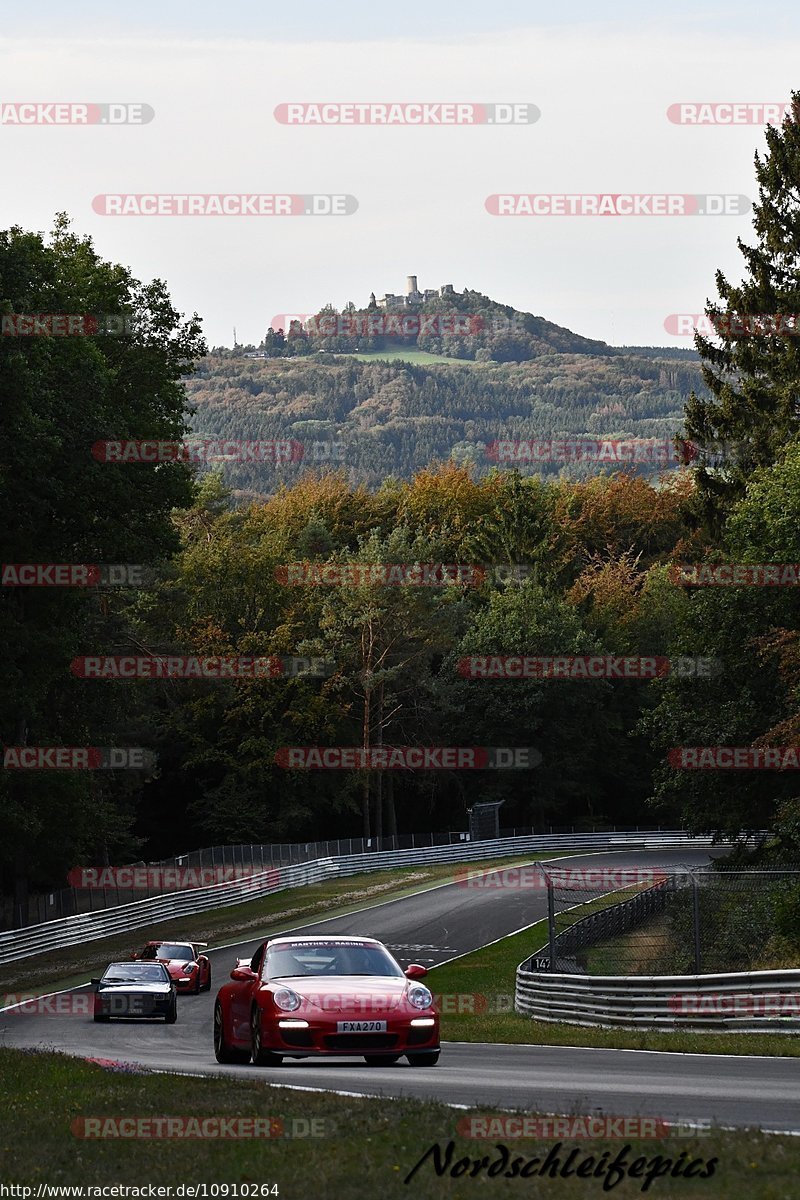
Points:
(87, 927)
(744, 1002)
(36, 908)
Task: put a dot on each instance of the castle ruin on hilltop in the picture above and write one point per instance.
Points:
(413, 295)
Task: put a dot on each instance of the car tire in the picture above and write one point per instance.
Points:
(207, 985)
(381, 1060)
(258, 1055)
(172, 1012)
(101, 1017)
(222, 1051)
(425, 1058)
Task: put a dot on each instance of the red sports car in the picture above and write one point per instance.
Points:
(189, 968)
(310, 997)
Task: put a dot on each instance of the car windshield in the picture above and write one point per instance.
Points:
(328, 958)
(136, 973)
(168, 950)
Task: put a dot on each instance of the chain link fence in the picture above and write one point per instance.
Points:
(670, 920)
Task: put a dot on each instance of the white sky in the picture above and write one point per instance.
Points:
(603, 92)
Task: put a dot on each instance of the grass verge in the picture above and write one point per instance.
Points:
(368, 1146)
(654, 948)
(481, 985)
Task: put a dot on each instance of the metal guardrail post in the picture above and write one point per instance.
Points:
(551, 918)
(696, 924)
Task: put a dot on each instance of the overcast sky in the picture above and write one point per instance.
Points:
(215, 72)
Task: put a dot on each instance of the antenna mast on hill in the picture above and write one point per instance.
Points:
(234, 337)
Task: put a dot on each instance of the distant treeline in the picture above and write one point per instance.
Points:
(392, 419)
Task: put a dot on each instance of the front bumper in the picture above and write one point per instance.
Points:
(132, 1004)
(321, 1038)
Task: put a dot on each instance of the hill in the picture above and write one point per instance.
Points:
(391, 418)
(461, 325)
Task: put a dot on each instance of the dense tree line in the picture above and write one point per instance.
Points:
(397, 418)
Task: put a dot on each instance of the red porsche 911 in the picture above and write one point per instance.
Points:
(323, 997)
(189, 968)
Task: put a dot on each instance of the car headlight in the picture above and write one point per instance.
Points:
(419, 996)
(286, 999)
(189, 967)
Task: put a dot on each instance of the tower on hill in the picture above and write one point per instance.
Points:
(412, 295)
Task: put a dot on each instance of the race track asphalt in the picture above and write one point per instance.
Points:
(432, 927)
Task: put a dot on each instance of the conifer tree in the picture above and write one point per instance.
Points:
(752, 366)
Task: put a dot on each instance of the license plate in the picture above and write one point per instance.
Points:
(361, 1027)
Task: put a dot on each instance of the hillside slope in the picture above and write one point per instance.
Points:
(392, 418)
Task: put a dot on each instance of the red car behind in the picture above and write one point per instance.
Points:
(323, 997)
(189, 968)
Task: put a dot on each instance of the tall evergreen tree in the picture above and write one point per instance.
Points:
(752, 368)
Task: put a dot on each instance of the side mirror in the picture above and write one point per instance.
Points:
(134, 955)
(415, 971)
(95, 984)
(243, 974)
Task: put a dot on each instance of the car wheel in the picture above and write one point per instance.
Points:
(207, 985)
(101, 1017)
(196, 988)
(222, 1051)
(260, 1056)
(381, 1060)
(172, 1012)
(426, 1058)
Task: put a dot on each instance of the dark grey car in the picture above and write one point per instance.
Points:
(135, 989)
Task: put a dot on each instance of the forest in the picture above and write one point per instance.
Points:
(394, 418)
